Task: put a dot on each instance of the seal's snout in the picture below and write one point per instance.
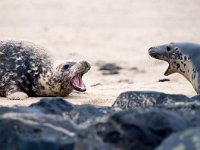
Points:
(153, 52)
(151, 48)
(86, 65)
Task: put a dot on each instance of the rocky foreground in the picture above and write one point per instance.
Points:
(136, 120)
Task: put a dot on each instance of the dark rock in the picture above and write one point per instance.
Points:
(77, 113)
(134, 99)
(110, 69)
(36, 131)
(55, 124)
(185, 140)
(55, 105)
(192, 115)
(82, 113)
(196, 97)
(18, 109)
(49, 124)
(134, 69)
(92, 143)
(163, 80)
(178, 106)
(110, 72)
(142, 129)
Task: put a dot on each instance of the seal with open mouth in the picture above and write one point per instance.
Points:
(183, 58)
(27, 70)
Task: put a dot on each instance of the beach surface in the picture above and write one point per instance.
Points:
(119, 32)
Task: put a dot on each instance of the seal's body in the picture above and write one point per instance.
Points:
(183, 58)
(27, 70)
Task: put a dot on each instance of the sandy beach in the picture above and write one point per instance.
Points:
(101, 32)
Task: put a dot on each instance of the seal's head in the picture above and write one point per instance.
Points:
(172, 54)
(71, 72)
(183, 58)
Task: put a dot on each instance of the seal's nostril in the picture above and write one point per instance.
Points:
(87, 65)
(150, 48)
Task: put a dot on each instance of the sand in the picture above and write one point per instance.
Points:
(102, 31)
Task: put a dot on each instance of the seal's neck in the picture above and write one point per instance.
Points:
(50, 84)
(185, 67)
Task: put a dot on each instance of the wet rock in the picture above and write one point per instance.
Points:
(49, 124)
(185, 140)
(110, 69)
(18, 109)
(196, 97)
(55, 124)
(55, 106)
(92, 143)
(192, 115)
(142, 129)
(77, 113)
(86, 112)
(134, 99)
(36, 131)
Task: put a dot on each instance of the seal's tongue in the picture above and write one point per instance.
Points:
(78, 84)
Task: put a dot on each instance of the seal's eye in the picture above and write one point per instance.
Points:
(176, 48)
(65, 67)
(168, 48)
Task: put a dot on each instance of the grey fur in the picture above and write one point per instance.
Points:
(183, 58)
(27, 70)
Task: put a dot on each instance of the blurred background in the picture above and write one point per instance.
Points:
(122, 26)
(104, 31)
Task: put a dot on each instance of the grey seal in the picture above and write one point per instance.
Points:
(183, 58)
(26, 69)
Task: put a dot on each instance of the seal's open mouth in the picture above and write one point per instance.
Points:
(78, 84)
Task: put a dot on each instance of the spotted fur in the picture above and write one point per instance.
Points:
(183, 58)
(26, 68)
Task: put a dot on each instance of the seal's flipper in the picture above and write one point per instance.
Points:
(13, 92)
(17, 96)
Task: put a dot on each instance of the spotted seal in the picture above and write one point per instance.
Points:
(26, 69)
(183, 58)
